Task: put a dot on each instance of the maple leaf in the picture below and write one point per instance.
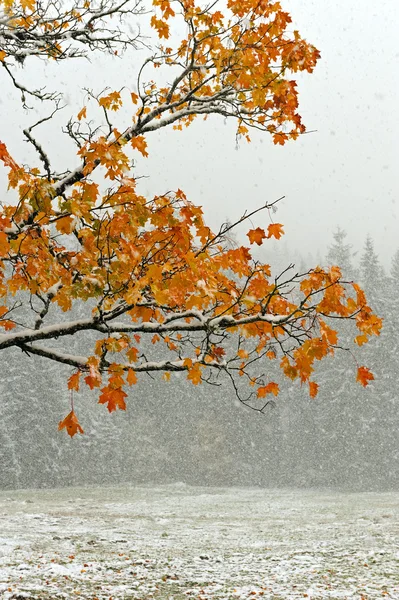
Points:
(138, 142)
(313, 389)
(114, 398)
(256, 236)
(113, 101)
(156, 257)
(6, 158)
(93, 381)
(4, 244)
(82, 114)
(270, 388)
(361, 339)
(280, 138)
(132, 354)
(7, 325)
(28, 4)
(275, 230)
(217, 351)
(73, 381)
(194, 374)
(65, 224)
(131, 377)
(364, 376)
(161, 26)
(71, 424)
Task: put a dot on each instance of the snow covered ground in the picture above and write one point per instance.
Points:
(175, 542)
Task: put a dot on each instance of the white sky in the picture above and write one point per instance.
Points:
(345, 173)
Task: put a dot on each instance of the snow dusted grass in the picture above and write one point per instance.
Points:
(177, 542)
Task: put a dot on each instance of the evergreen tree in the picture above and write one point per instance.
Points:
(340, 253)
(395, 275)
(372, 275)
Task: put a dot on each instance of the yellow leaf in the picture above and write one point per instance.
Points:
(28, 4)
(65, 224)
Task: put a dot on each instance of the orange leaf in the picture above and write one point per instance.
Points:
(313, 389)
(364, 376)
(73, 381)
(161, 26)
(65, 225)
(93, 382)
(256, 236)
(4, 245)
(194, 374)
(140, 144)
(82, 114)
(131, 377)
(361, 339)
(132, 354)
(275, 230)
(114, 398)
(270, 388)
(71, 424)
(94, 378)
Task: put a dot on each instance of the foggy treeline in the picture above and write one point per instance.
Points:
(175, 432)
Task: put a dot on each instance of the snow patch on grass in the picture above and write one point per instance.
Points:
(177, 542)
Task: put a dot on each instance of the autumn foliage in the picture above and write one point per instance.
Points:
(149, 272)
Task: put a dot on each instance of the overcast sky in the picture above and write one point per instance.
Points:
(344, 174)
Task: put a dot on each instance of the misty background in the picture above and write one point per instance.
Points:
(347, 437)
(340, 177)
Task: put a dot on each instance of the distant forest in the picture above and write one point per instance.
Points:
(346, 437)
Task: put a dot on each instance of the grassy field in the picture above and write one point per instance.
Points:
(176, 542)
